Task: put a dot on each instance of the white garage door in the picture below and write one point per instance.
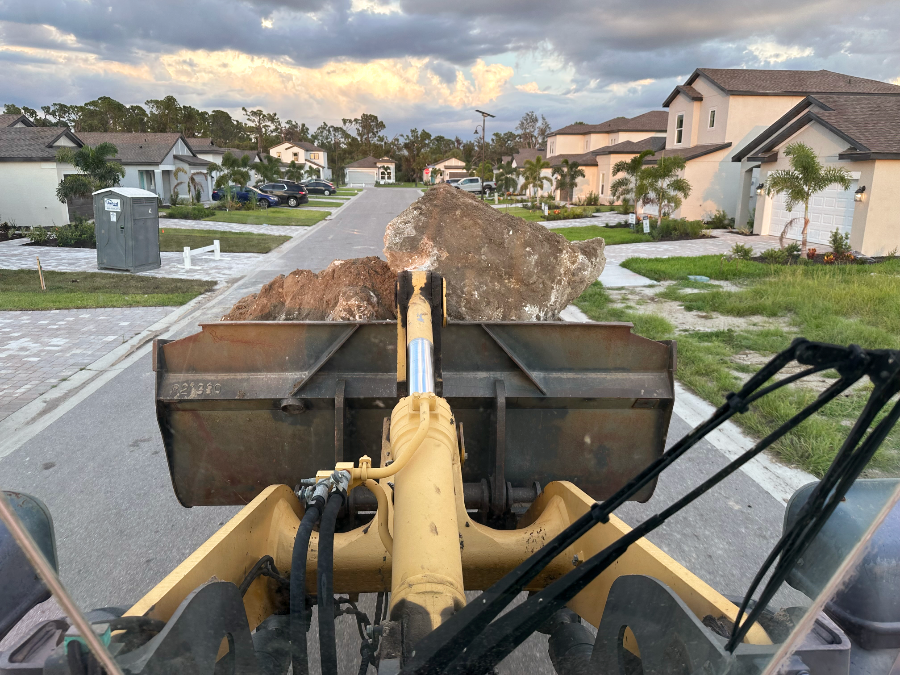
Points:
(365, 177)
(829, 210)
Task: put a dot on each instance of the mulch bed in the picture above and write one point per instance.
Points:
(819, 259)
(7, 236)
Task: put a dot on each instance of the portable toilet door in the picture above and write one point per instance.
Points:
(109, 228)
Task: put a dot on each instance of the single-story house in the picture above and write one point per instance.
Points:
(369, 171)
(441, 172)
(303, 153)
(151, 159)
(29, 174)
(858, 132)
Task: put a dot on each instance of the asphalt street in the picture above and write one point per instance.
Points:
(101, 469)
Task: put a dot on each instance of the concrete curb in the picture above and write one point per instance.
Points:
(778, 480)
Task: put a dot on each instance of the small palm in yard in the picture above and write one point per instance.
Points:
(627, 186)
(507, 177)
(664, 184)
(798, 184)
(567, 175)
(268, 170)
(95, 171)
(533, 174)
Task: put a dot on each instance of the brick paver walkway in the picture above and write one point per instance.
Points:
(13, 255)
(38, 350)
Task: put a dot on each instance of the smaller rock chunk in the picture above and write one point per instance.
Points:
(360, 289)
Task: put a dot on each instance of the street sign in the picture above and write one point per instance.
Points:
(646, 221)
(631, 219)
(427, 171)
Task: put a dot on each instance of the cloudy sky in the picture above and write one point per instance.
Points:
(424, 63)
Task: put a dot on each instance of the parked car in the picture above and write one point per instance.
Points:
(318, 186)
(288, 192)
(245, 194)
(452, 181)
(473, 184)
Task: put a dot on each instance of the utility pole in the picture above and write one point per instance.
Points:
(484, 117)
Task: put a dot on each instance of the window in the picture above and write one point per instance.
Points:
(296, 156)
(587, 143)
(712, 118)
(314, 155)
(679, 128)
(278, 155)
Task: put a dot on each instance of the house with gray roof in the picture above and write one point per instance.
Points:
(11, 120)
(859, 132)
(29, 174)
(370, 171)
(717, 113)
(151, 160)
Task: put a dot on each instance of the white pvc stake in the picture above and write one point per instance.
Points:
(216, 249)
(187, 257)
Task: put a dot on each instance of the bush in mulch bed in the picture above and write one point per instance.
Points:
(78, 234)
(9, 231)
(772, 257)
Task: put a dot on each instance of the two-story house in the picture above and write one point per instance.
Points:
(718, 112)
(307, 155)
(588, 145)
(857, 132)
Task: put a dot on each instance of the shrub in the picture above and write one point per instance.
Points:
(676, 229)
(625, 207)
(810, 254)
(720, 221)
(566, 214)
(590, 199)
(193, 212)
(792, 250)
(742, 252)
(774, 256)
(79, 233)
(39, 235)
(840, 243)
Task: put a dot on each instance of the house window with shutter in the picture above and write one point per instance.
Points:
(296, 156)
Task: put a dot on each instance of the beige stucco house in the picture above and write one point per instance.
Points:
(441, 172)
(860, 133)
(717, 112)
(586, 144)
(304, 153)
(371, 171)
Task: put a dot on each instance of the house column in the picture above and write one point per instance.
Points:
(157, 182)
(742, 212)
(209, 184)
(763, 221)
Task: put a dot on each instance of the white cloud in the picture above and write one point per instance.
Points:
(772, 52)
(529, 88)
(267, 23)
(375, 7)
(619, 88)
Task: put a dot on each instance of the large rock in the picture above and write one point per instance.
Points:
(361, 289)
(498, 267)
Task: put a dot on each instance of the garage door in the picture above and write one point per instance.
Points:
(829, 210)
(365, 177)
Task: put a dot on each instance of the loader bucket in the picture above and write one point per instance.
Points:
(244, 405)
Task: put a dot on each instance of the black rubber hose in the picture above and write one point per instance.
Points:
(299, 658)
(327, 636)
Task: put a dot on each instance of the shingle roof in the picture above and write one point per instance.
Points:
(365, 163)
(237, 152)
(309, 147)
(190, 160)
(204, 145)
(134, 148)
(689, 153)
(654, 120)
(31, 143)
(524, 155)
(787, 82)
(655, 143)
(10, 120)
(581, 158)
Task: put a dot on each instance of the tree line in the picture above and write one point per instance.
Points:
(354, 139)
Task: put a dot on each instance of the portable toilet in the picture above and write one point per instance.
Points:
(126, 222)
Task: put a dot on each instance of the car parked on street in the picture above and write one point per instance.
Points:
(473, 184)
(317, 186)
(245, 194)
(288, 192)
(452, 181)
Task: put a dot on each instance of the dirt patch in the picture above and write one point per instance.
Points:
(497, 267)
(644, 299)
(360, 289)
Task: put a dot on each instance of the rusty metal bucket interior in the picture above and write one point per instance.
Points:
(244, 405)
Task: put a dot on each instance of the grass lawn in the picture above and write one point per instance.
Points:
(175, 239)
(611, 235)
(270, 217)
(322, 203)
(842, 305)
(21, 289)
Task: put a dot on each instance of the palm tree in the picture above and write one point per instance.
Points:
(268, 170)
(567, 175)
(179, 171)
(196, 186)
(294, 171)
(312, 172)
(533, 174)
(236, 170)
(664, 184)
(798, 184)
(507, 177)
(485, 171)
(95, 171)
(627, 186)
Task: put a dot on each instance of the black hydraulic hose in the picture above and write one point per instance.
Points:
(327, 636)
(299, 658)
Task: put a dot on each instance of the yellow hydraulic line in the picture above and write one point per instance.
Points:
(376, 489)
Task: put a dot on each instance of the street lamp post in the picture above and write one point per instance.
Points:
(484, 117)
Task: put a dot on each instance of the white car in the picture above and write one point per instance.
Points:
(474, 185)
